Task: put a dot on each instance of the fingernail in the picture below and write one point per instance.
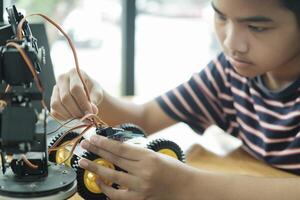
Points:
(84, 144)
(83, 163)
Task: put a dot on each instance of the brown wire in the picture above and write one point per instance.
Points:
(8, 88)
(77, 140)
(95, 118)
(19, 35)
(31, 68)
(35, 75)
(29, 64)
(3, 103)
(61, 126)
(67, 132)
(30, 164)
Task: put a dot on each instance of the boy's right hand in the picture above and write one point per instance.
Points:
(69, 99)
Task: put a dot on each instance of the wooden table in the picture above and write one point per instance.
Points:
(238, 162)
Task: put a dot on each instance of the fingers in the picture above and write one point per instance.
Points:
(69, 99)
(123, 150)
(125, 164)
(76, 90)
(118, 194)
(66, 97)
(57, 109)
(119, 177)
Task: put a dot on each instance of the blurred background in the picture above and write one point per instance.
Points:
(173, 39)
(131, 47)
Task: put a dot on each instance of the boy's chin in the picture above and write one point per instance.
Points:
(246, 73)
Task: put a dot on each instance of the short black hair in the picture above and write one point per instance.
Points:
(294, 6)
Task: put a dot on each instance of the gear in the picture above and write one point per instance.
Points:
(60, 155)
(133, 128)
(86, 181)
(167, 147)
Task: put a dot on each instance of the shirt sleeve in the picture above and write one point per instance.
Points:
(197, 101)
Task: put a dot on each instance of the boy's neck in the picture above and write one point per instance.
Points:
(283, 76)
(276, 84)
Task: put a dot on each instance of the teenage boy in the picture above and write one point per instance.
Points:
(251, 90)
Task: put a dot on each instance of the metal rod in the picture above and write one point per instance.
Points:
(128, 37)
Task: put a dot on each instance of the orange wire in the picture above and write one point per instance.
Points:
(34, 73)
(19, 35)
(61, 125)
(8, 88)
(67, 132)
(30, 164)
(95, 117)
(29, 64)
(32, 70)
(77, 140)
(3, 103)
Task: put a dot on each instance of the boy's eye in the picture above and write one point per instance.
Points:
(257, 28)
(220, 17)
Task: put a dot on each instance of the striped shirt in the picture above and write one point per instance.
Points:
(267, 122)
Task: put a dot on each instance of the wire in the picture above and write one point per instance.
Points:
(8, 88)
(95, 118)
(67, 132)
(19, 35)
(77, 140)
(30, 164)
(61, 126)
(32, 70)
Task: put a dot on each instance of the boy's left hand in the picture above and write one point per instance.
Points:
(150, 175)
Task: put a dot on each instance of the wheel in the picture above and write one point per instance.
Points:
(133, 128)
(87, 187)
(61, 154)
(167, 147)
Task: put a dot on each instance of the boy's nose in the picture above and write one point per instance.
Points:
(235, 41)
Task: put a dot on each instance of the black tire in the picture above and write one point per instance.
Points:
(82, 188)
(68, 137)
(133, 128)
(167, 147)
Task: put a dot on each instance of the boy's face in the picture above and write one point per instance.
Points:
(258, 36)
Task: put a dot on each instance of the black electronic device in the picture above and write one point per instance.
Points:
(23, 147)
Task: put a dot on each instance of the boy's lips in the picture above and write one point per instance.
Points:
(239, 63)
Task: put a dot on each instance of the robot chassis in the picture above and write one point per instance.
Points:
(128, 133)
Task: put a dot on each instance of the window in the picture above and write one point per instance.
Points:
(174, 39)
(94, 27)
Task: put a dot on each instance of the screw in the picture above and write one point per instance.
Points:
(32, 185)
